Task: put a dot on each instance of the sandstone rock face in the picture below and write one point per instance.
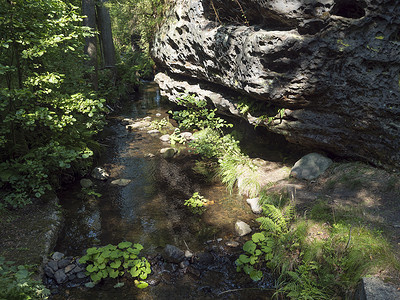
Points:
(324, 73)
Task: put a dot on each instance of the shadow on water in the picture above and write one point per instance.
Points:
(150, 211)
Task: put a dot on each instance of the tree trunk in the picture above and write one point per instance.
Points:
(104, 25)
(89, 10)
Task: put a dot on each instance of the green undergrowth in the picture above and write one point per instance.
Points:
(220, 152)
(197, 203)
(115, 261)
(319, 256)
(16, 283)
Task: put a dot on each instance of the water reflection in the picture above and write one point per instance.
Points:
(150, 209)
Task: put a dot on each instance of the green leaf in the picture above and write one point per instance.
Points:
(119, 284)
(249, 247)
(138, 246)
(116, 264)
(124, 245)
(134, 251)
(248, 269)
(105, 254)
(134, 272)
(96, 276)
(256, 275)
(114, 273)
(109, 247)
(90, 284)
(258, 237)
(142, 284)
(92, 250)
(84, 259)
(266, 249)
(92, 268)
(244, 258)
(115, 254)
(269, 256)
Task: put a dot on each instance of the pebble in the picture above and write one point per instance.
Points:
(57, 255)
(99, 173)
(126, 121)
(232, 244)
(53, 265)
(153, 131)
(165, 138)
(69, 268)
(188, 254)
(255, 206)
(63, 263)
(168, 152)
(121, 182)
(154, 281)
(242, 228)
(183, 264)
(60, 276)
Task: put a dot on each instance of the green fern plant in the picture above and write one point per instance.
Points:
(276, 221)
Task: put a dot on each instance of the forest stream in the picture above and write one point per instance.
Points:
(150, 211)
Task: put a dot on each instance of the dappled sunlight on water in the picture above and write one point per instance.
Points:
(150, 211)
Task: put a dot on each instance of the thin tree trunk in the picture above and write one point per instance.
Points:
(104, 25)
(89, 10)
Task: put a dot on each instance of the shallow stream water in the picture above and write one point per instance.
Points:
(150, 211)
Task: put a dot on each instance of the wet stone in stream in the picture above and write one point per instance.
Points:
(64, 270)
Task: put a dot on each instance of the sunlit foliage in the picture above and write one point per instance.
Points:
(47, 113)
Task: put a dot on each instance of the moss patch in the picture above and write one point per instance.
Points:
(28, 234)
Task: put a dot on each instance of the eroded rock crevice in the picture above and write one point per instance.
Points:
(333, 66)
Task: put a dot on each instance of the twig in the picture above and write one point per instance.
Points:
(186, 245)
(348, 242)
(215, 11)
(243, 14)
(333, 214)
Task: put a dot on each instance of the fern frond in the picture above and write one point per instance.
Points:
(276, 215)
(269, 225)
(289, 212)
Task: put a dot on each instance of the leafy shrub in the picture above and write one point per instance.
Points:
(48, 113)
(176, 137)
(197, 115)
(159, 124)
(196, 203)
(254, 249)
(16, 283)
(115, 261)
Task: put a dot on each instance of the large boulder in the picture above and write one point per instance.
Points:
(323, 73)
(310, 166)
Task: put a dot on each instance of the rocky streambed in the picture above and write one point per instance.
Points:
(140, 199)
